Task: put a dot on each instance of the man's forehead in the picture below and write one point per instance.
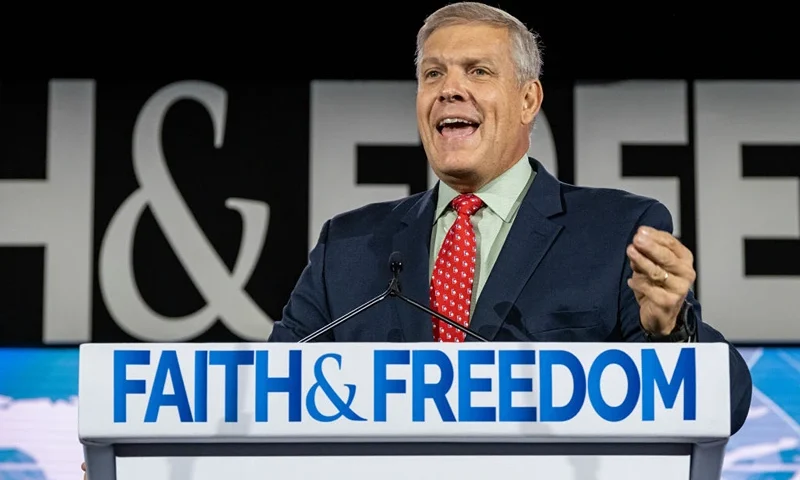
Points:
(465, 55)
(460, 42)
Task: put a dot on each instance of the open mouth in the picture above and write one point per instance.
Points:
(456, 127)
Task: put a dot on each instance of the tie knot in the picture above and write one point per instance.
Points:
(467, 204)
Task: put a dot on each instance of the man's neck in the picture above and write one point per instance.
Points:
(472, 185)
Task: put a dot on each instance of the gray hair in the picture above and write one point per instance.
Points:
(525, 46)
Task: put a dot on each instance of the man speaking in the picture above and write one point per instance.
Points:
(499, 244)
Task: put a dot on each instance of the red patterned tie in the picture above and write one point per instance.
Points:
(451, 282)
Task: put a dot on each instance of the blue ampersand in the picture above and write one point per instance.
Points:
(342, 406)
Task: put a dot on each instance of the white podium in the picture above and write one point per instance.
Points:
(588, 411)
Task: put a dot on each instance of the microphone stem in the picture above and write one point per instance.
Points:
(396, 293)
(346, 316)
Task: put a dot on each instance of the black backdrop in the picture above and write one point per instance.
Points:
(265, 60)
(288, 42)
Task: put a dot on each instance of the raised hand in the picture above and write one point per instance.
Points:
(663, 273)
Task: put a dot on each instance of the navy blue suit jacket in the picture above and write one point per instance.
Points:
(560, 277)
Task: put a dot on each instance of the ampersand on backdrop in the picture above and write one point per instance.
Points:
(223, 290)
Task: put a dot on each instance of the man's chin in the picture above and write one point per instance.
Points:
(460, 171)
(455, 162)
(457, 154)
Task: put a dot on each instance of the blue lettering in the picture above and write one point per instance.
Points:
(168, 366)
(342, 405)
(653, 377)
(467, 385)
(231, 360)
(421, 391)
(547, 411)
(124, 386)
(382, 385)
(606, 411)
(507, 385)
(201, 386)
(585, 380)
(558, 371)
(291, 385)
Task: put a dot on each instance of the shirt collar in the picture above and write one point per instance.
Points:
(502, 195)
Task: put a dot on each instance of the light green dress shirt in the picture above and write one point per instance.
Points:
(502, 198)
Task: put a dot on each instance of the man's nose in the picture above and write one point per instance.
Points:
(452, 90)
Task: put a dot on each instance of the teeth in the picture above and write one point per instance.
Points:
(453, 120)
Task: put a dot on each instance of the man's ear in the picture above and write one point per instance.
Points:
(532, 96)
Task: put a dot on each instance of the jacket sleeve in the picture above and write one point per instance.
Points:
(741, 384)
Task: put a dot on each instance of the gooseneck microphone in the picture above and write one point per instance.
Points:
(393, 290)
(396, 266)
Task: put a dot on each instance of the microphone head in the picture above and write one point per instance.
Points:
(396, 262)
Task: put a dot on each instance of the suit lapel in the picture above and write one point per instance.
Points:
(413, 242)
(528, 241)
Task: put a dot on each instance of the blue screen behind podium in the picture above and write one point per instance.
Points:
(38, 416)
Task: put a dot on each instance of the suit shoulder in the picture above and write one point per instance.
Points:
(607, 206)
(364, 219)
(614, 201)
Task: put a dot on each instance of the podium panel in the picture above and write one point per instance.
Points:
(477, 467)
(196, 411)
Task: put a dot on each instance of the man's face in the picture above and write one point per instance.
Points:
(472, 113)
